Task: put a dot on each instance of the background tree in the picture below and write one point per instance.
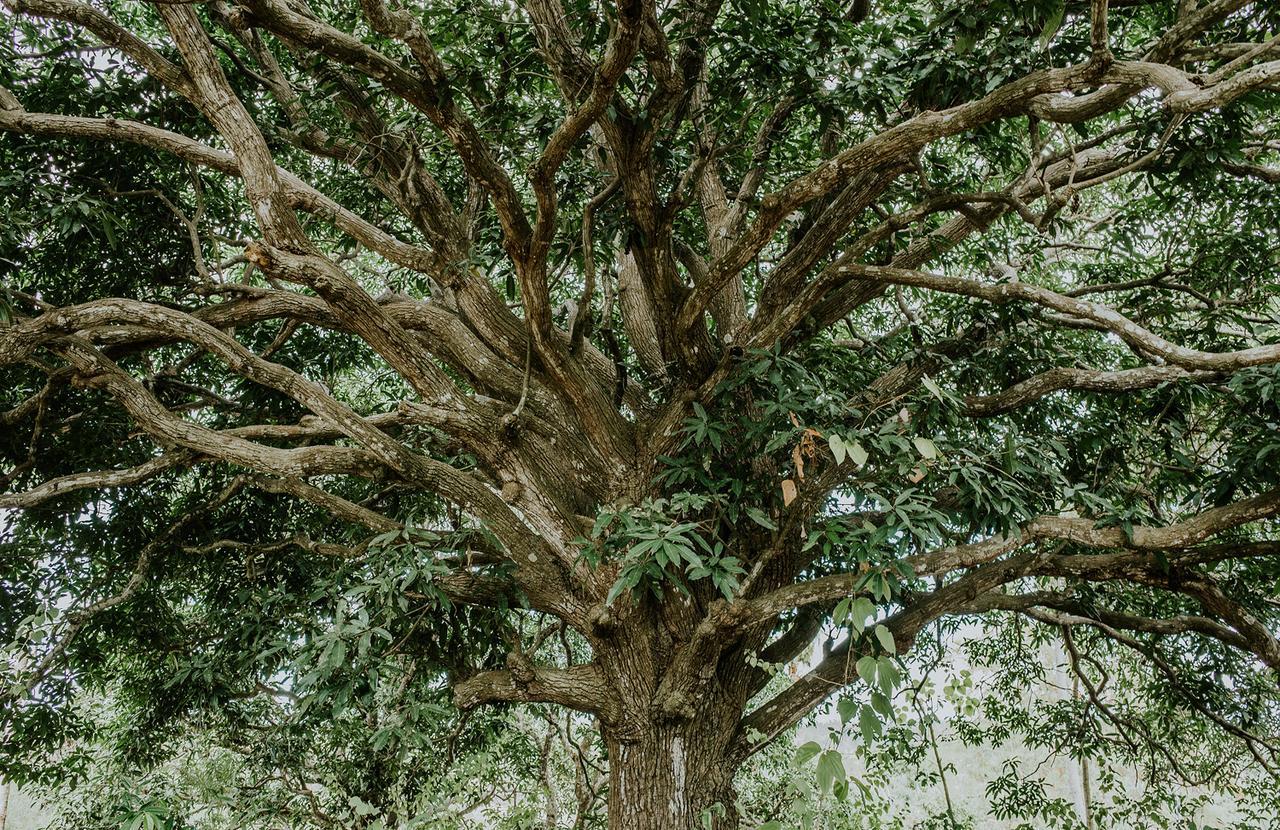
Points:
(606, 356)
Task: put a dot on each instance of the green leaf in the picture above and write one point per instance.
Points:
(862, 608)
(857, 454)
(889, 675)
(761, 518)
(869, 724)
(866, 667)
(841, 613)
(807, 752)
(1052, 24)
(830, 770)
(885, 637)
(846, 706)
(837, 448)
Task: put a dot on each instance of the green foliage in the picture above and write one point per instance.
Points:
(275, 664)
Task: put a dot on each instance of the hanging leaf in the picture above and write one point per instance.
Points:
(845, 707)
(830, 770)
(885, 638)
(858, 613)
(761, 518)
(836, 443)
(869, 724)
(866, 667)
(1052, 24)
(806, 752)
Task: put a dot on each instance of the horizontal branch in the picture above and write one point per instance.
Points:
(583, 688)
(1180, 536)
(1062, 378)
(336, 505)
(1092, 615)
(98, 479)
(1114, 322)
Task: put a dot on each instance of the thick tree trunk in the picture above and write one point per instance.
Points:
(671, 777)
(668, 739)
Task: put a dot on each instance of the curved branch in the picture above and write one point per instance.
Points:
(298, 194)
(1080, 613)
(100, 479)
(428, 91)
(337, 506)
(895, 144)
(1112, 320)
(1180, 536)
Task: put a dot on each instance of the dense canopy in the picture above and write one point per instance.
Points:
(381, 381)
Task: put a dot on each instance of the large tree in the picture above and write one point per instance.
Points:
(605, 356)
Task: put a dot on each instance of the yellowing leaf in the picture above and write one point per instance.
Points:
(836, 443)
(925, 447)
(885, 636)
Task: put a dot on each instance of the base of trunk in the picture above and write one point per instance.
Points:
(671, 779)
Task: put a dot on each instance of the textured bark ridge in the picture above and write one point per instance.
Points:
(674, 776)
(671, 759)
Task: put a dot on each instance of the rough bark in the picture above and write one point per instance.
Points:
(672, 776)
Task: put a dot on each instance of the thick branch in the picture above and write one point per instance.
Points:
(583, 688)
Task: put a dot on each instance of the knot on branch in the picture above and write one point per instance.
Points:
(522, 671)
(677, 705)
(509, 430)
(259, 254)
(602, 621)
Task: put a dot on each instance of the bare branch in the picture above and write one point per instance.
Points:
(1068, 378)
(1112, 320)
(578, 687)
